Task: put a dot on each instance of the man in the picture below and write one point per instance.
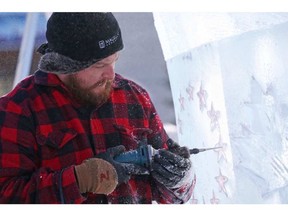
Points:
(62, 127)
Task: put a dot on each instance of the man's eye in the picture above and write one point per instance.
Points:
(99, 65)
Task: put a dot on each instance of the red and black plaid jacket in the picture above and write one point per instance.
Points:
(44, 133)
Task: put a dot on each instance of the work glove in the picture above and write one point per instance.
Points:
(96, 175)
(170, 169)
(102, 174)
(124, 170)
(177, 149)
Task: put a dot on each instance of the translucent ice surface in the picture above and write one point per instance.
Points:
(228, 75)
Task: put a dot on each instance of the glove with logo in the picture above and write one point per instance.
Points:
(124, 170)
(102, 174)
(96, 176)
(170, 169)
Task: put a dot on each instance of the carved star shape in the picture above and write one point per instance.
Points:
(221, 151)
(202, 95)
(203, 200)
(214, 117)
(222, 180)
(193, 200)
(179, 123)
(181, 101)
(187, 56)
(245, 130)
(214, 200)
(190, 91)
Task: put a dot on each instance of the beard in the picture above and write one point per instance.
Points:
(86, 96)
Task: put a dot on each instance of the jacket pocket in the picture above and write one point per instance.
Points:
(56, 139)
(55, 145)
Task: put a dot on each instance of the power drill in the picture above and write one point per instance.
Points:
(144, 155)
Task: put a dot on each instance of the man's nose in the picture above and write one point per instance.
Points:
(109, 72)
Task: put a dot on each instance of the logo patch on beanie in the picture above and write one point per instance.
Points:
(108, 42)
(102, 44)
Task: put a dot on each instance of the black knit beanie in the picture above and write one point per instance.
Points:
(78, 40)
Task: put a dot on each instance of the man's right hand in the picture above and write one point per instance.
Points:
(96, 176)
(102, 174)
(124, 170)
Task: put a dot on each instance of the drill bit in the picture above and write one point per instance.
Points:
(196, 150)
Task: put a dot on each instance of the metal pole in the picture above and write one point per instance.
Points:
(27, 47)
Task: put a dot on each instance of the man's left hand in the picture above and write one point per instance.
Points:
(177, 149)
(171, 170)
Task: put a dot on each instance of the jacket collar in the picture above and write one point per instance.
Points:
(46, 79)
(50, 79)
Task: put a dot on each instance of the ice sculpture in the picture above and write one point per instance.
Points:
(228, 75)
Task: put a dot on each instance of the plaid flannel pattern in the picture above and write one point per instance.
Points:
(44, 133)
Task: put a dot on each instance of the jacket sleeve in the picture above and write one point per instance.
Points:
(179, 195)
(22, 179)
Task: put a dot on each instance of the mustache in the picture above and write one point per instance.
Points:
(99, 83)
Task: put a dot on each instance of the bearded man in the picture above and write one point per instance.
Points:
(62, 127)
